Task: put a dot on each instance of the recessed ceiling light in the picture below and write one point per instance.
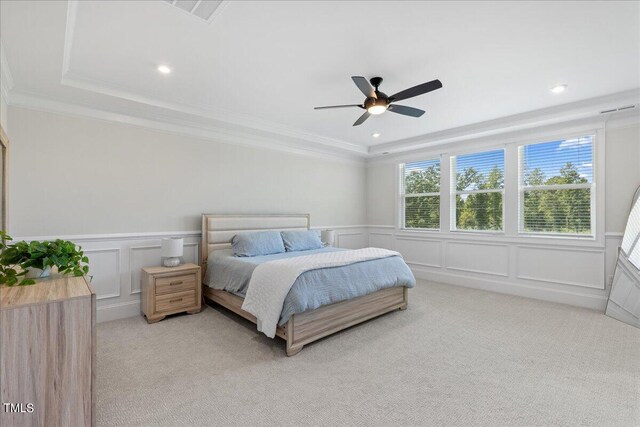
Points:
(164, 69)
(558, 88)
(375, 135)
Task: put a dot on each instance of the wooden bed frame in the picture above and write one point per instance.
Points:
(302, 328)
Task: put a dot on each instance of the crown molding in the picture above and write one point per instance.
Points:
(241, 128)
(523, 136)
(6, 79)
(216, 117)
(234, 136)
(585, 109)
(77, 80)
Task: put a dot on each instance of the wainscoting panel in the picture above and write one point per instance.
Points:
(146, 256)
(140, 257)
(565, 266)
(382, 240)
(480, 258)
(116, 260)
(500, 266)
(421, 252)
(573, 272)
(105, 269)
(351, 240)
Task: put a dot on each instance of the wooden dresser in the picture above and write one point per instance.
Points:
(47, 353)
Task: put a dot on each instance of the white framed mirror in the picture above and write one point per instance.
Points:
(624, 298)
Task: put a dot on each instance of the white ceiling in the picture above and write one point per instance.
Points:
(265, 65)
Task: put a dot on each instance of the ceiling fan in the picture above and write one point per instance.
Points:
(378, 102)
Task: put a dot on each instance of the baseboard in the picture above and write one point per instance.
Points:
(117, 311)
(595, 302)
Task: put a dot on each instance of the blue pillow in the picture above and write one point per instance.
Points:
(257, 243)
(301, 240)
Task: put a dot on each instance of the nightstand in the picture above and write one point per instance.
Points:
(170, 290)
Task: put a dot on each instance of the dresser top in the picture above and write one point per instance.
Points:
(45, 290)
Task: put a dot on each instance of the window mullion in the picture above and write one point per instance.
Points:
(510, 200)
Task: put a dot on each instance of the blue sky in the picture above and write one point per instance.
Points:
(482, 162)
(550, 157)
(420, 165)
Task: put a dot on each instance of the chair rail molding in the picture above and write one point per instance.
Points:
(116, 260)
(576, 272)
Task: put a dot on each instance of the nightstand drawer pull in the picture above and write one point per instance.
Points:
(175, 300)
(176, 283)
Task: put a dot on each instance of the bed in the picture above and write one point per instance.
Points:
(225, 282)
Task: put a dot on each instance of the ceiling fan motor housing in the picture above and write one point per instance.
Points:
(372, 102)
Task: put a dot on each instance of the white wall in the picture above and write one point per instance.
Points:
(562, 271)
(117, 190)
(622, 152)
(78, 178)
(622, 174)
(72, 176)
(3, 112)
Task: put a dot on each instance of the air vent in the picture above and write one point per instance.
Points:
(203, 9)
(628, 107)
(613, 110)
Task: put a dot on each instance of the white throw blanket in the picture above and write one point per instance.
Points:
(270, 282)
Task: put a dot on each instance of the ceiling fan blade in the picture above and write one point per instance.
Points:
(364, 86)
(338, 106)
(362, 118)
(416, 90)
(406, 111)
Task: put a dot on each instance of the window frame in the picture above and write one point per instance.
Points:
(510, 142)
(403, 196)
(590, 186)
(453, 191)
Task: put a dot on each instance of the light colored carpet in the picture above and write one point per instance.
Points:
(456, 357)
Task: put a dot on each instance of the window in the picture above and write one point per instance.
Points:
(478, 186)
(420, 194)
(556, 186)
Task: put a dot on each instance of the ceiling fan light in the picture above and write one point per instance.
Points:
(377, 109)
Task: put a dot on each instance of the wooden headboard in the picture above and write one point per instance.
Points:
(218, 230)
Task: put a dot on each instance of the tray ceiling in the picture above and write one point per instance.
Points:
(265, 65)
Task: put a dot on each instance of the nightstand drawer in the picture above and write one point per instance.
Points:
(165, 285)
(175, 301)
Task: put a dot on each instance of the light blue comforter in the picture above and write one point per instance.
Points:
(314, 288)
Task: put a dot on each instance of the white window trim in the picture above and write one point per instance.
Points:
(510, 203)
(597, 166)
(402, 195)
(453, 227)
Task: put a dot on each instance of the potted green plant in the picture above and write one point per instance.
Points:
(21, 262)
